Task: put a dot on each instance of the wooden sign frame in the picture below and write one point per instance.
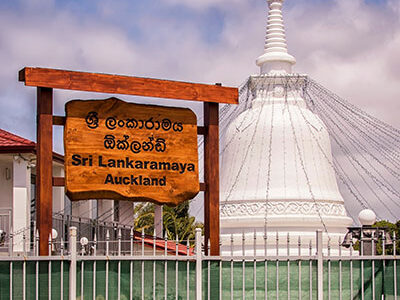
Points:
(45, 80)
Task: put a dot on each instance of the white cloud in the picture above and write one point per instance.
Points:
(204, 4)
(58, 41)
(351, 48)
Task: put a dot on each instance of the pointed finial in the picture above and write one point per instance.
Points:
(276, 59)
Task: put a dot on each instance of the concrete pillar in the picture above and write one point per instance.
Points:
(158, 220)
(58, 192)
(104, 208)
(126, 212)
(73, 263)
(21, 202)
(199, 267)
(84, 209)
(320, 266)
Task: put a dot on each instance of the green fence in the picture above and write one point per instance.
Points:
(136, 279)
(345, 279)
(119, 279)
(171, 279)
(255, 280)
(35, 279)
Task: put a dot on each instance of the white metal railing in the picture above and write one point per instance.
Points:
(154, 267)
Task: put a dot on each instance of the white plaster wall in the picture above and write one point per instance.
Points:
(58, 192)
(84, 209)
(21, 202)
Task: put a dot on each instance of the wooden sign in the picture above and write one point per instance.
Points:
(125, 151)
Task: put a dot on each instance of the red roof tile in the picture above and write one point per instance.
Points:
(8, 139)
(161, 244)
(11, 143)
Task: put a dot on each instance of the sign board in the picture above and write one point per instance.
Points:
(125, 151)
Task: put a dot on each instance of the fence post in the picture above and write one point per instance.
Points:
(10, 234)
(72, 268)
(320, 269)
(198, 265)
(11, 243)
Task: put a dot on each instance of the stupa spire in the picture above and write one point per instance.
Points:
(276, 59)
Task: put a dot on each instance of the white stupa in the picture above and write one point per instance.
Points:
(276, 167)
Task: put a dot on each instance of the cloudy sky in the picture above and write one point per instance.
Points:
(351, 47)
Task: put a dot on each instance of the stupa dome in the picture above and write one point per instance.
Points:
(276, 165)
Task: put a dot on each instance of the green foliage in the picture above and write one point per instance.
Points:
(144, 219)
(394, 230)
(177, 222)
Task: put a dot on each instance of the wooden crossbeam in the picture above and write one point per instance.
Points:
(117, 84)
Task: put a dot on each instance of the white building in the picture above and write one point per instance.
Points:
(277, 173)
(17, 198)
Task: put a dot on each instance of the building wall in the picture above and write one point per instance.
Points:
(85, 209)
(6, 182)
(105, 210)
(58, 192)
(17, 192)
(21, 201)
(126, 212)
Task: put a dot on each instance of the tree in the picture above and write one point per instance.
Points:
(394, 230)
(144, 218)
(177, 222)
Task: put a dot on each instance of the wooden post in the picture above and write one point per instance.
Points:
(44, 167)
(211, 177)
